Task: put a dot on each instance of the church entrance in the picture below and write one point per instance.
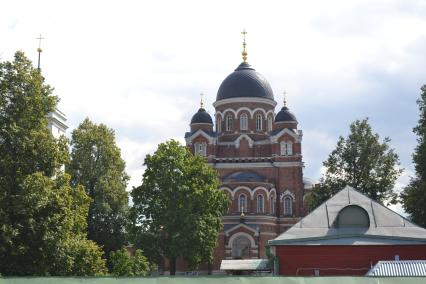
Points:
(241, 248)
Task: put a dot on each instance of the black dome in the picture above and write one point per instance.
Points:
(201, 117)
(245, 82)
(284, 115)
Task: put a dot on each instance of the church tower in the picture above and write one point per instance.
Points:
(258, 156)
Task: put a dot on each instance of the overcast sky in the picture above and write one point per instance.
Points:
(139, 66)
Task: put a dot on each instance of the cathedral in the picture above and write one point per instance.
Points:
(258, 155)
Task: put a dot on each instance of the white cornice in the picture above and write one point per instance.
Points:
(244, 100)
(242, 225)
(212, 140)
(256, 165)
(297, 137)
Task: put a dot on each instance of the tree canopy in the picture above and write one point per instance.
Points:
(42, 218)
(124, 264)
(96, 164)
(177, 209)
(361, 161)
(414, 195)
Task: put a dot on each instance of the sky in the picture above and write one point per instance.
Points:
(139, 66)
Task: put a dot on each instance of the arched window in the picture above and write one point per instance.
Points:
(258, 122)
(287, 203)
(229, 123)
(260, 204)
(219, 125)
(272, 205)
(286, 148)
(243, 122)
(200, 149)
(242, 203)
(352, 216)
(270, 123)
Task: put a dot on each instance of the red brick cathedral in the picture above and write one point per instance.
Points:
(258, 156)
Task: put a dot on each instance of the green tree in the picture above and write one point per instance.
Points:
(361, 161)
(414, 195)
(96, 164)
(41, 215)
(178, 207)
(124, 264)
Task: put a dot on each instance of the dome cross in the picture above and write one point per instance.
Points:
(244, 53)
(201, 100)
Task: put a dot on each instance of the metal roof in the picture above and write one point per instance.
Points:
(319, 227)
(245, 82)
(245, 264)
(399, 268)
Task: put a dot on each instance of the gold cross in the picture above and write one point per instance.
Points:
(201, 100)
(244, 53)
(39, 43)
(244, 36)
(285, 98)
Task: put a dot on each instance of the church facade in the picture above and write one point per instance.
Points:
(258, 156)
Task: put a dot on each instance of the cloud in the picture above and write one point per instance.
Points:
(139, 67)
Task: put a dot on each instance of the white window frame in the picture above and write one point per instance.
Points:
(200, 149)
(242, 206)
(269, 123)
(229, 122)
(260, 203)
(287, 208)
(286, 148)
(219, 125)
(272, 205)
(258, 122)
(243, 122)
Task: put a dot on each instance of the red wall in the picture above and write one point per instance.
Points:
(335, 260)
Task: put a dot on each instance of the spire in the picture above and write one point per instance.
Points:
(201, 100)
(244, 53)
(285, 98)
(39, 50)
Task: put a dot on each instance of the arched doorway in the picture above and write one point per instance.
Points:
(241, 247)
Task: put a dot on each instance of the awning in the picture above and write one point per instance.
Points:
(246, 264)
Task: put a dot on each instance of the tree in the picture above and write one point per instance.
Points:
(124, 264)
(42, 218)
(414, 195)
(360, 161)
(178, 207)
(96, 164)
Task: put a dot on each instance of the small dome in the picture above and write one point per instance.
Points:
(201, 117)
(245, 82)
(285, 115)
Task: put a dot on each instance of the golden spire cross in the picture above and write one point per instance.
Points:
(39, 43)
(201, 100)
(285, 98)
(39, 50)
(244, 53)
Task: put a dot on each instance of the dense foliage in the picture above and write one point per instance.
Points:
(414, 195)
(124, 264)
(178, 208)
(42, 218)
(361, 161)
(96, 164)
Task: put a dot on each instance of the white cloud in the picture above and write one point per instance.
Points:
(139, 66)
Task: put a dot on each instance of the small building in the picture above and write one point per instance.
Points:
(246, 266)
(399, 268)
(347, 235)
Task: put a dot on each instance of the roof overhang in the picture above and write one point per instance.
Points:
(246, 264)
